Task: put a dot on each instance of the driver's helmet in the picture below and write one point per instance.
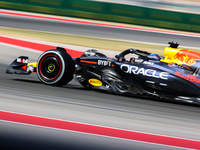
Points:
(154, 56)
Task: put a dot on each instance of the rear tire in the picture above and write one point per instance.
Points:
(55, 67)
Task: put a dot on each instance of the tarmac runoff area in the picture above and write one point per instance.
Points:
(37, 121)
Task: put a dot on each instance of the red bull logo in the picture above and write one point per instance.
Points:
(189, 77)
(186, 57)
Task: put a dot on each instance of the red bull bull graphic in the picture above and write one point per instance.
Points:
(186, 57)
(181, 56)
(189, 77)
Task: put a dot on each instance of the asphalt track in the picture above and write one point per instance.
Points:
(26, 94)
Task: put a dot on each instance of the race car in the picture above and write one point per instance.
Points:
(174, 76)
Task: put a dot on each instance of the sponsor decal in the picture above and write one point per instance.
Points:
(25, 61)
(189, 77)
(148, 63)
(163, 84)
(171, 64)
(104, 62)
(185, 57)
(145, 72)
(95, 82)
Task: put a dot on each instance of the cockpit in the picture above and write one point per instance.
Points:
(135, 55)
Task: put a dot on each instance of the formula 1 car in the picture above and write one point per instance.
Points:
(175, 76)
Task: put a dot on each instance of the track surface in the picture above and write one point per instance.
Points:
(26, 94)
(95, 31)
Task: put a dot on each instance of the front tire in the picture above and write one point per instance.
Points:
(55, 67)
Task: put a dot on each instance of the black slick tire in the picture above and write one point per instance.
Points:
(55, 67)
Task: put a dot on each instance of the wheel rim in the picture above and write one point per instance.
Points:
(50, 67)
